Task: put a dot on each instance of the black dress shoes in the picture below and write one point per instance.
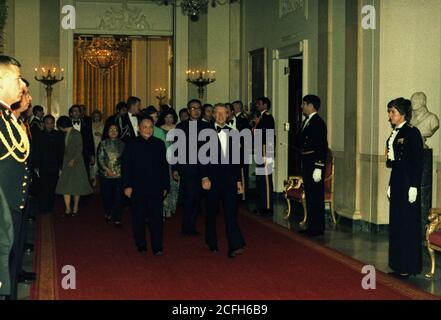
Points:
(158, 253)
(26, 277)
(213, 248)
(398, 275)
(142, 249)
(236, 252)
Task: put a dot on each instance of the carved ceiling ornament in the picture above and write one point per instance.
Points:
(290, 6)
(124, 18)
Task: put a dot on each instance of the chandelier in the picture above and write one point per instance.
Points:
(103, 53)
(194, 7)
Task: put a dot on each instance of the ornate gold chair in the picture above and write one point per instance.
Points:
(294, 191)
(433, 238)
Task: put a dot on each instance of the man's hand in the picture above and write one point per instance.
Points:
(92, 160)
(37, 172)
(71, 163)
(109, 173)
(206, 184)
(317, 175)
(165, 193)
(239, 188)
(128, 192)
(413, 193)
(175, 175)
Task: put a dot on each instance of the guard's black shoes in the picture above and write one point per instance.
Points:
(142, 249)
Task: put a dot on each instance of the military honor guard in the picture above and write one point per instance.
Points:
(404, 150)
(314, 149)
(264, 176)
(14, 170)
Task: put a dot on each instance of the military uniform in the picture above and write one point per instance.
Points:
(404, 150)
(264, 176)
(314, 149)
(14, 181)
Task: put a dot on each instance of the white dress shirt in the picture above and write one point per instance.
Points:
(390, 151)
(76, 126)
(134, 122)
(223, 139)
(309, 119)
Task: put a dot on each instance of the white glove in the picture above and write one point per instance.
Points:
(317, 175)
(388, 192)
(413, 192)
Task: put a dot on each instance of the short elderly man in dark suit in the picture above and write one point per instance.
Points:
(146, 181)
(84, 126)
(222, 178)
(314, 150)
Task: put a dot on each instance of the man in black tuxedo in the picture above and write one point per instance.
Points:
(188, 172)
(314, 149)
(264, 178)
(36, 121)
(84, 126)
(128, 124)
(238, 120)
(222, 179)
(146, 181)
(47, 162)
(121, 111)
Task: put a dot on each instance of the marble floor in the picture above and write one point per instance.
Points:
(368, 248)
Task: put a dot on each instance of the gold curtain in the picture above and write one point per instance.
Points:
(97, 90)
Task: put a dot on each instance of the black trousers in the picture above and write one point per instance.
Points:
(191, 197)
(315, 197)
(112, 196)
(245, 170)
(228, 197)
(265, 192)
(46, 192)
(16, 256)
(148, 207)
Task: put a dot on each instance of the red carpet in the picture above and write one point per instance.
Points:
(277, 264)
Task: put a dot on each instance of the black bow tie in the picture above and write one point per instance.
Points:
(76, 122)
(219, 129)
(397, 129)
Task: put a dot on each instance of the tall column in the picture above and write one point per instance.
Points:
(180, 31)
(218, 48)
(27, 43)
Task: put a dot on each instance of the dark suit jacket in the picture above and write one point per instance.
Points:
(313, 140)
(14, 175)
(222, 175)
(145, 167)
(127, 132)
(187, 168)
(87, 135)
(48, 151)
(408, 151)
(242, 122)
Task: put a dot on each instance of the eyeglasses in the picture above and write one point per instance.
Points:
(195, 108)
